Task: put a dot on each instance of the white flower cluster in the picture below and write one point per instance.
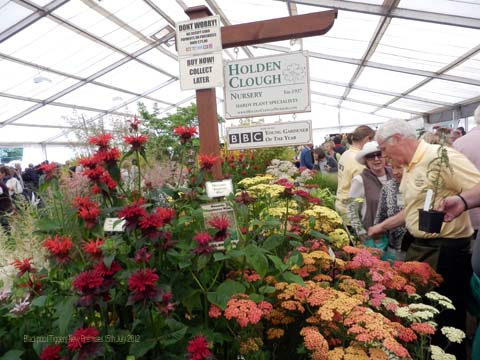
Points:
(440, 299)
(439, 354)
(417, 312)
(282, 169)
(453, 335)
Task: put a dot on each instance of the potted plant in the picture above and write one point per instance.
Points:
(431, 220)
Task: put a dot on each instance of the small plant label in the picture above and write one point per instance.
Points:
(221, 210)
(219, 188)
(114, 225)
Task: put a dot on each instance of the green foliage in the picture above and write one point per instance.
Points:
(325, 181)
(435, 170)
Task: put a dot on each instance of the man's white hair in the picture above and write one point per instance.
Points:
(395, 126)
(476, 115)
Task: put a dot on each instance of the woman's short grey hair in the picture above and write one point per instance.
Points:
(476, 115)
(395, 126)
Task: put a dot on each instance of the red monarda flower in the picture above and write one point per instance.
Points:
(59, 247)
(150, 225)
(49, 170)
(203, 240)
(103, 270)
(136, 141)
(92, 247)
(84, 341)
(23, 266)
(207, 161)
(185, 133)
(198, 348)
(88, 282)
(102, 141)
(220, 223)
(142, 284)
(134, 124)
(133, 213)
(51, 352)
(142, 256)
(165, 214)
(108, 156)
(87, 210)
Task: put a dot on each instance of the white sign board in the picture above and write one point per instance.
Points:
(267, 85)
(219, 188)
(198, 36)
(201, 71)
(269, 135)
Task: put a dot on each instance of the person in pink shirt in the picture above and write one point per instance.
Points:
(468, 146)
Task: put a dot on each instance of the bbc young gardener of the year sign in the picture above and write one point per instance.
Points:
(269, 135)
(267, 85)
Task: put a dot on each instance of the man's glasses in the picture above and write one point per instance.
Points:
(376, 155)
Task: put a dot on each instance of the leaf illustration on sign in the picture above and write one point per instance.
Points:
(294, 73)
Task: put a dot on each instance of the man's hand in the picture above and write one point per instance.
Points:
(452, 206)
(375, 230)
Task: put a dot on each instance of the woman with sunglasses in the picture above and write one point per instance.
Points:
(365, 189)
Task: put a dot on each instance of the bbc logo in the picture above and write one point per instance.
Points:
(245, 137)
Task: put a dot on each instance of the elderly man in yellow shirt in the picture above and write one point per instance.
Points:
(448, 251)
(348, 167)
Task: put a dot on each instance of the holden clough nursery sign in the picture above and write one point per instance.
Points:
(267, 86)
(269, 135)
(198, 36)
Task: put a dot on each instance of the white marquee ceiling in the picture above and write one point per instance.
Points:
(383, 58)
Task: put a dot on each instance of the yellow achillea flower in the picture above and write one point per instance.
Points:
(272, 190)
(275, 333)
(341, 304)
(280, 212)
(249, 182)
(279, 317)
(354, 287)
(326, 219)
(339, 238)
(250, 345)
(323, 278)
(377, 354)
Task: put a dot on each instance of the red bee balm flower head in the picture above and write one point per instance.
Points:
(207, 161)
(59, 247)
(135, 123)
(102, 141)
(133, 213)
(51, 352)
(87, 210)
(136, 141)
(23, 266)
(49, 170)
(198, 348)
(142, 284)
(92, 247)
(185, 133)
(85, 342)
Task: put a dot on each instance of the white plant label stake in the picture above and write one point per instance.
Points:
(428, 200)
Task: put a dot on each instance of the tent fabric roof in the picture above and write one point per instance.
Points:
(96, 59)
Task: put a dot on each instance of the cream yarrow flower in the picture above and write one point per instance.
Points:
(453, 335)
(439, 354)
(440, 299)
(272, 190)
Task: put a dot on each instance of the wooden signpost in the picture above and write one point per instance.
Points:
(258, 32)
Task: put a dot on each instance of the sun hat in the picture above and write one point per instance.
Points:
(369, 148)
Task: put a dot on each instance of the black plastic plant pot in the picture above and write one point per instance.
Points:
(430, 221)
